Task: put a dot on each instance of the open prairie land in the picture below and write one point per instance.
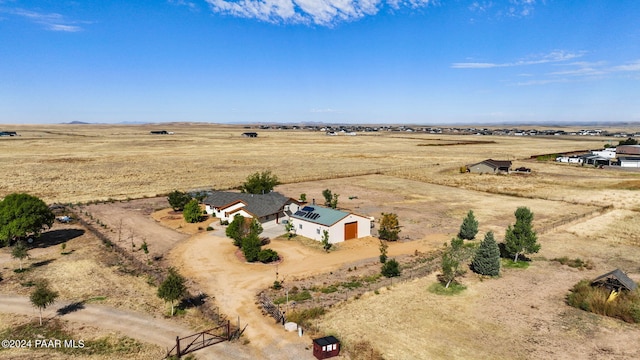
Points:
(580, 212)
(73, 163)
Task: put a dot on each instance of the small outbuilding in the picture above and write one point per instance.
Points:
(250, 134)
(326, 347)
(490, 166)
(615, 280)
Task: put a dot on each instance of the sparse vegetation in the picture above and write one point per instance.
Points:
(389, 227)
(576, 263)
(326, 245)
(625, 306)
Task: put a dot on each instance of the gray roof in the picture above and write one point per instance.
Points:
(257, 204)
(494, 164)
(615, 278)
(320, 215)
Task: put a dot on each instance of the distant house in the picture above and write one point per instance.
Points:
(311, 221)
(609, 153)
(570, 159)
(629, 161)
(267, 208)
(8, 133)
(159, 132)
(490, 166)
(250, 134)
(615, 280)
(628, 150)
(326, 347)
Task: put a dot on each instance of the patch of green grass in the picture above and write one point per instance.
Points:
(354, 284)
(96, 298)
(298, 297)
(329, 289)
(453, 289)
(576, 263)
(302, 317)
(371, 278)
(510, 264)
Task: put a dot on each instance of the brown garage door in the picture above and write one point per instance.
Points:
(351, 230)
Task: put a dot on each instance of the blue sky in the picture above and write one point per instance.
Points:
(332, 61)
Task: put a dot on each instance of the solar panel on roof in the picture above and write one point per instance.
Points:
(307, 208)
(300, 213)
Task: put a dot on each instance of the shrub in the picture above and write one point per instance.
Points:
(267, 256)
(209, 228)
(626, 306)
(391, 268)
(302, 317)
(277, 285)
(576, 263)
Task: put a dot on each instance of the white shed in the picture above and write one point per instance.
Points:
(311, 221)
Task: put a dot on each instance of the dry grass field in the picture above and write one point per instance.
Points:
(579, 212)
(79, 163)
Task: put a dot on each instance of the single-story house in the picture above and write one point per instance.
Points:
(250, 134)
(159, 132)
(615, 280)
(629, 161)
(8, 133)
(311, 221)
(490, 166)
(267, 208)
(570, 159)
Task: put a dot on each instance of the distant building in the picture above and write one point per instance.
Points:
(159, 132)
(629, 161)
(490, 166)
(628, 150)
(250, 134)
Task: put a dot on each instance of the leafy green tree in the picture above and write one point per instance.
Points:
(172, 288)
(391, 268)
(237, 229)
(251, 247)
(20, 251)
(22, 215)
(192, 212)
(521, 238)
(453, 257)
(469, 227)
(303, 197)
(389, 227)
(383, 251)
(178, 200)
(42, 296)
(628, 141)
(487, 258)
(326, 245)
(328, 196)
(260, 183)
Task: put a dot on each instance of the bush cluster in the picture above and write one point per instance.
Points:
(626, 306)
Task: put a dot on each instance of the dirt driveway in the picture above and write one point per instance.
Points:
(211, 261)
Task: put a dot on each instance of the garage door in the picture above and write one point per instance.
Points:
(351, 230)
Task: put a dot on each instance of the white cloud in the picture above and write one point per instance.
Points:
(189, 4)
(552, 57)
(319, 12)
(50, 21)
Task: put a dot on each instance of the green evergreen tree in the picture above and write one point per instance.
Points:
(22, 215)
(469, 227)
(521, 238)
(328, 197)
(391, 268)
(192, 212)
(383, 251)
(487, 258)
(172, 288)
(453, 257)
(42, 296)
(251, 247)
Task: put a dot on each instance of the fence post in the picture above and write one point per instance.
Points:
(178, 347)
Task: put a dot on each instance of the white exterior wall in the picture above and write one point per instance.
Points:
(336, 231)
(607, 153)
(630, 163)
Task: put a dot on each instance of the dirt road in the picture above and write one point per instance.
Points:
(135, 325)
(210, 260)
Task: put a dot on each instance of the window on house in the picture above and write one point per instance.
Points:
(300, 226)
(318, 231)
